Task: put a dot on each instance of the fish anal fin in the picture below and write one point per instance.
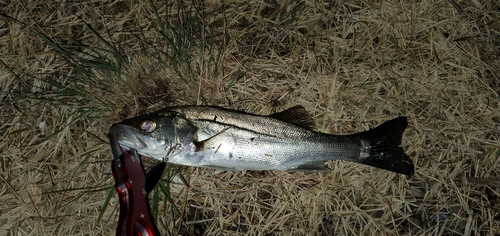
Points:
(313, 166)
(296, 115)
(223, 168)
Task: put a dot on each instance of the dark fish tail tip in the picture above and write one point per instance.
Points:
(381, 147)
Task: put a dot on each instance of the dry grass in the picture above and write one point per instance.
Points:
(79, 67)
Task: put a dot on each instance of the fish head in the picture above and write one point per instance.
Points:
(151, 135)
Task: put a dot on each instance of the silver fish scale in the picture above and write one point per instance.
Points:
(260, 124)
(243, 141)
(212, 137)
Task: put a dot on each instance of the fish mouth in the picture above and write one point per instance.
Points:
(126, 137)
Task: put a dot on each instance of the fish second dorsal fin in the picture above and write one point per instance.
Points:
(296, 115)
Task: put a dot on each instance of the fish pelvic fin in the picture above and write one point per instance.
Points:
(381, 147)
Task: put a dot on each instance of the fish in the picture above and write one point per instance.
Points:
(219, 138)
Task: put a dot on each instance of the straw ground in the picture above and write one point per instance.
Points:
(70, 70)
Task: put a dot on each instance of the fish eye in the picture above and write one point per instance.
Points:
(148, 126)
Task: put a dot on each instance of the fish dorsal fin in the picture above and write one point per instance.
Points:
(296, 115)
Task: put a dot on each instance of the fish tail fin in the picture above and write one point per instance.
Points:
(381, 147)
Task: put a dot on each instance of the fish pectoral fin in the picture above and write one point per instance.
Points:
(312, 166)
(296, 115)
(201, 145)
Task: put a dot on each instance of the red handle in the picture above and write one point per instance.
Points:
(130, 184)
